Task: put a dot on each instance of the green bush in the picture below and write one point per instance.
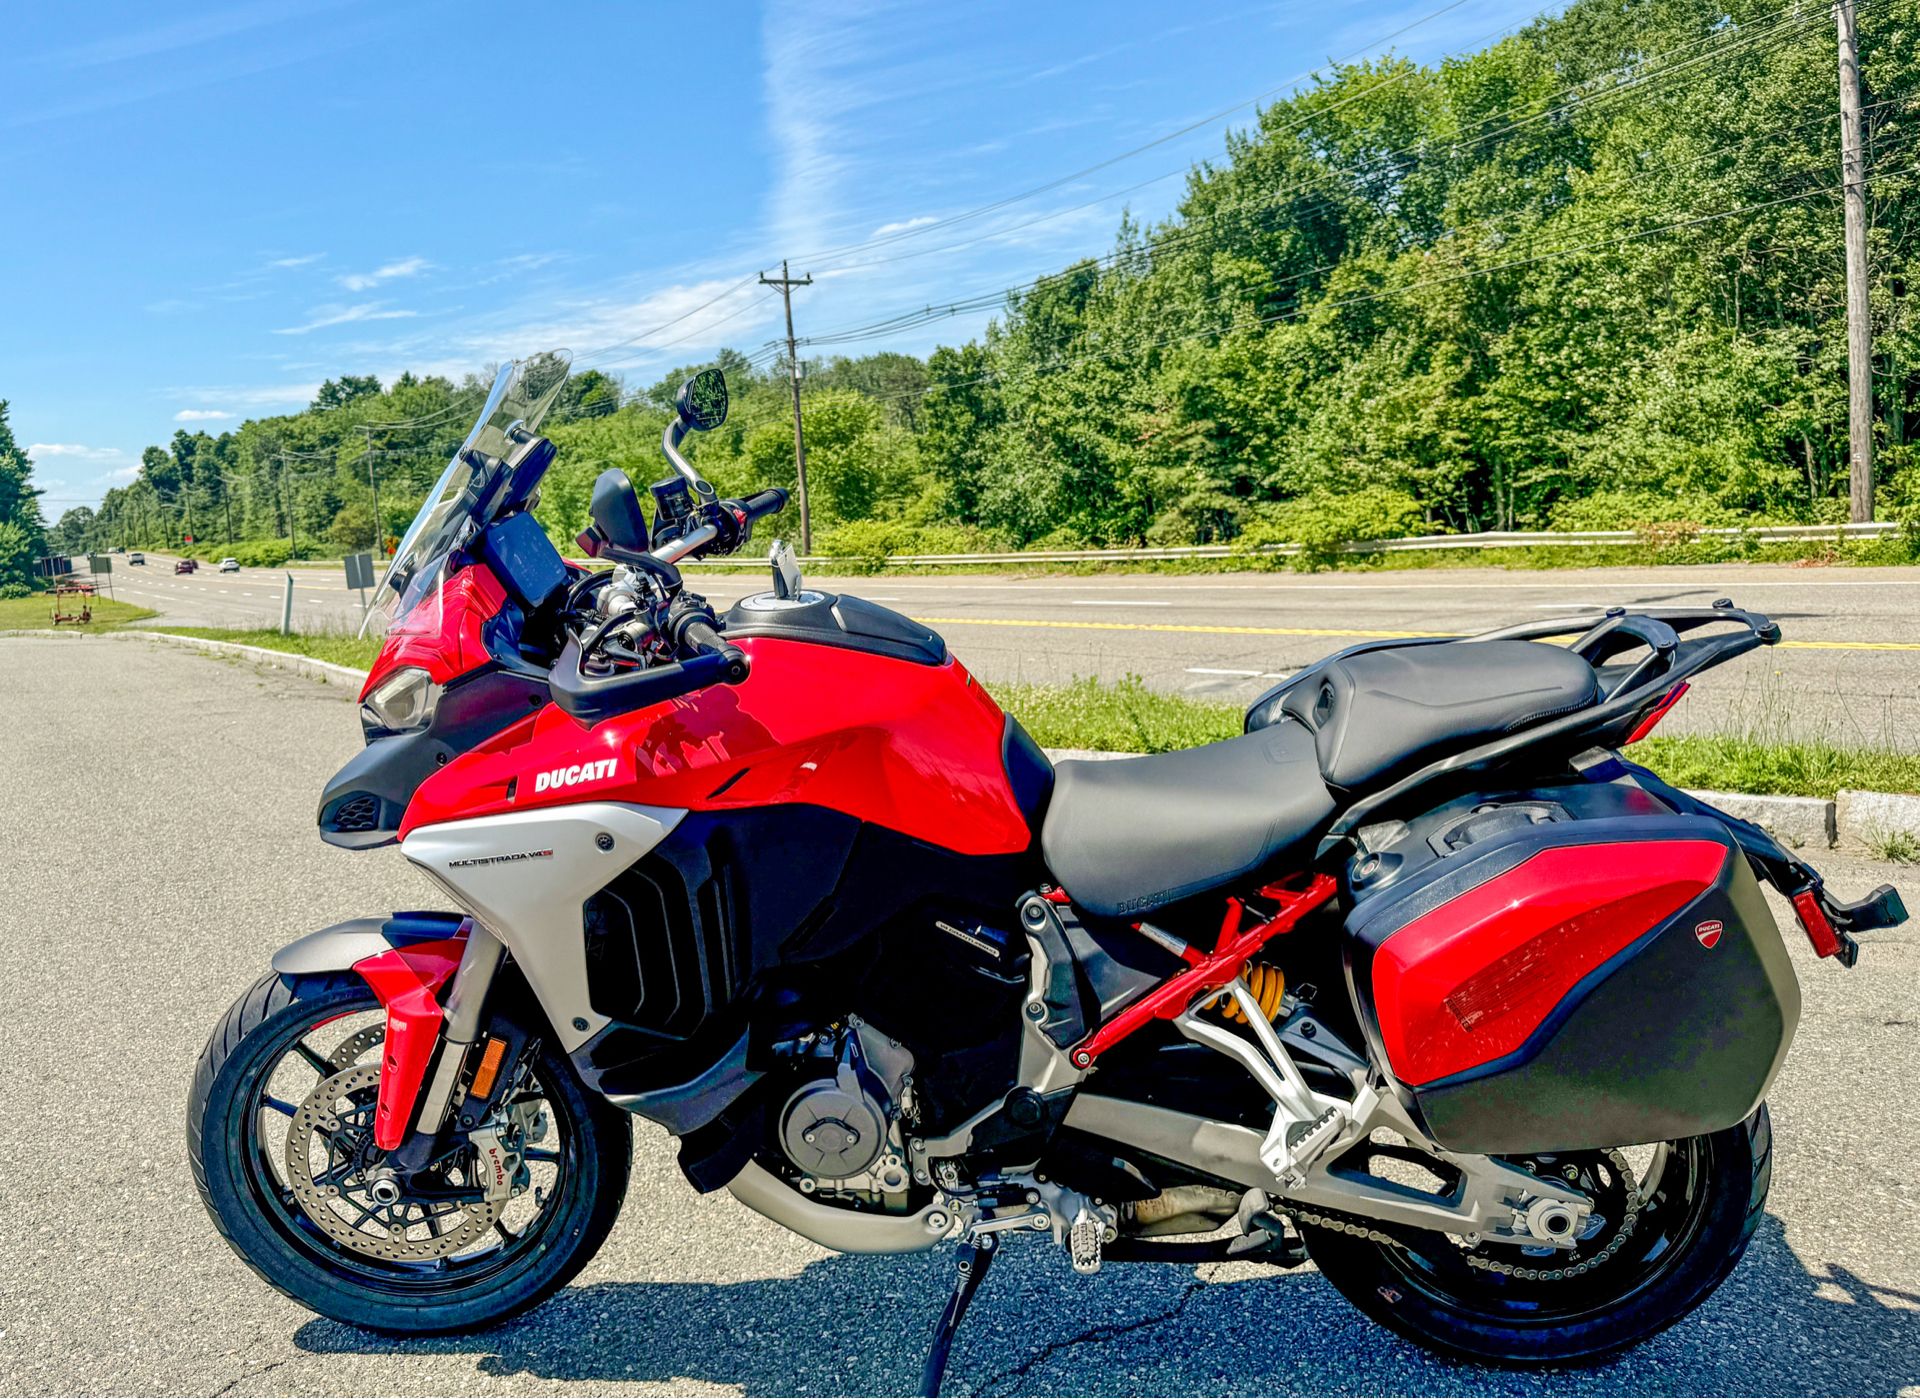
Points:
(13, 589)
(1658, 519)
(1323, 523)
(866, 545)
(262, 553)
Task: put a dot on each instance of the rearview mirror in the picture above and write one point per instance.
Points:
(702, 404)
(616, 511)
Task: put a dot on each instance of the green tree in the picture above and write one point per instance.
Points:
(22, 529)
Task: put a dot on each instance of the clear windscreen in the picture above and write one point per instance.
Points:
(471, 491)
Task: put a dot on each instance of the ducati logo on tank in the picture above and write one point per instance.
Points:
(1708, 933)
(572, 776)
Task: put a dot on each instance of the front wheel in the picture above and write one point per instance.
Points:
(1669, 1224)
(280, 1136)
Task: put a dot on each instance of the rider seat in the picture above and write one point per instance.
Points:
(1130, 836)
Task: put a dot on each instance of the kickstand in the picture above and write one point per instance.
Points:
(971, 1268)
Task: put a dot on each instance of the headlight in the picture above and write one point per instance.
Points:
(401, 703)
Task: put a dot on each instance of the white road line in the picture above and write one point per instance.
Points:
(1116, 602)
(1245, 674)
(1564, 606)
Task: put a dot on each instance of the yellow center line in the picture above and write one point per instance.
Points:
(1327, 631)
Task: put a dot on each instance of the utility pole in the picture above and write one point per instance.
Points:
(786, 285)
(286, 504)
(379, 534)
(1853, 172)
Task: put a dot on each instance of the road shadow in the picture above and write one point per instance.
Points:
(859, 1325)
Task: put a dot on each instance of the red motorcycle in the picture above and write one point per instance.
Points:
(1417, 978)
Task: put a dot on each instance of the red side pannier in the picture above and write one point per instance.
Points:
(1568, 978)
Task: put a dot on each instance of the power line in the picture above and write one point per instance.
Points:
(1339, 303)
(1647, 74)
(929, 314)
(966, 215)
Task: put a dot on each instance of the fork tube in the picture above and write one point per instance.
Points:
(466, 1001)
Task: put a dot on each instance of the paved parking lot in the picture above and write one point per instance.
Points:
(159, 845)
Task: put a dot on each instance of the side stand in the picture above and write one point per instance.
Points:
(971, 1268)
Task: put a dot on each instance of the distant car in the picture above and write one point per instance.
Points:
(229, 565)
(186, 566)
(118, 549)
(137, 558)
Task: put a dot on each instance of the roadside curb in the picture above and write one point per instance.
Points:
(1854, 821)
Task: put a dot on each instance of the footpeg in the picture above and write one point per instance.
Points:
(1085, 1239)
(1287, 1152)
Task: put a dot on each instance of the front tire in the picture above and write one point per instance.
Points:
(241, 1095)
(1699, 1206)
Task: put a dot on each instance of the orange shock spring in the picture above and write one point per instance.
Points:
(1268, 985)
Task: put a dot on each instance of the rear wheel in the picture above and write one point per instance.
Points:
(279, 1132)
(1669, 1224)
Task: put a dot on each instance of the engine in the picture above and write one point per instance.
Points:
(840, 1130)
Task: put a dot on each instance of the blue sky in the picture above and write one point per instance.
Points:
(211, 209)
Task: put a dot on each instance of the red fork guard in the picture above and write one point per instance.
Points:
(407, 981)
(1212, 970)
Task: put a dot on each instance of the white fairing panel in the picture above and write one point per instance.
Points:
(524, 876)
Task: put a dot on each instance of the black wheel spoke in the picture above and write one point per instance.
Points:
(316, 1061)
(540, 1153)
(284, 1109)
(500, 1228)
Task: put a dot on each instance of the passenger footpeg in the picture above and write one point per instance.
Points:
(1293, 1145)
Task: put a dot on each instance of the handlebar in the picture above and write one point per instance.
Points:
(701, 639)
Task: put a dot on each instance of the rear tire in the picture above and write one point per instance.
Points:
(254, 1210)
(1699, 1215)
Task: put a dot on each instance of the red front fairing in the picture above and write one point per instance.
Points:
(914, 748)
(444, 640)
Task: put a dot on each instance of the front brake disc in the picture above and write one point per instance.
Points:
(335, 1123)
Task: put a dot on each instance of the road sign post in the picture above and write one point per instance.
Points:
(286, 609)
(360, 575)
(101, 566)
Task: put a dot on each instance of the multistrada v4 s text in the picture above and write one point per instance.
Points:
(1418, 978)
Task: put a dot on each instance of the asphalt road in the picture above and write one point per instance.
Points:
(158, 847)
(1849, 670)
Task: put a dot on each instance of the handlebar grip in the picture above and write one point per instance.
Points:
(703, 640)
(768, 502)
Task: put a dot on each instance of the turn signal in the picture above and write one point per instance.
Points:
(489, 1070)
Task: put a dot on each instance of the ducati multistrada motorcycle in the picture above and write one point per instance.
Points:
(1418, 978)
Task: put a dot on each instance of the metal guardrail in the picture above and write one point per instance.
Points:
(1503, 539)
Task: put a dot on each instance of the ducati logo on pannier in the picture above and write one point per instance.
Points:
(1708, 933)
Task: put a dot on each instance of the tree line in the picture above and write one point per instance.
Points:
(1588, 276)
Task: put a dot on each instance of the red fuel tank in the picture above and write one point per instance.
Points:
(917, 748)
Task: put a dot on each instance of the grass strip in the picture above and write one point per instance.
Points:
(37, 611)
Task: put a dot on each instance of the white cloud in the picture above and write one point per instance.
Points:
(676, 321)
(405, 267)
(304, 260)
(324, 316)
(200, 415)
(903, 225)
(73, 449)
(122, 476)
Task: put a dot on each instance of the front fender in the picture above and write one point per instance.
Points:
(405, 960)
(343, 946)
